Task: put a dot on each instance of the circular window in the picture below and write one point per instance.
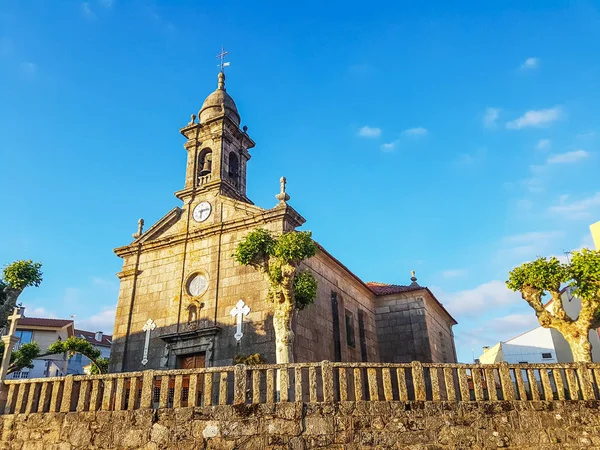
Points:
(197, 284)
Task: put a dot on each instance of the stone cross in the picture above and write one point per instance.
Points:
(239, 311)
(9, 341)
(148, 327)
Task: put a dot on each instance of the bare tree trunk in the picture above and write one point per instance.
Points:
(282, 317)
(580, 344)
(10, 301)
(284, 336)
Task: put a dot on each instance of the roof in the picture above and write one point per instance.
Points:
(382, 288)
(41, 322)
(90, 336)
(386, 289)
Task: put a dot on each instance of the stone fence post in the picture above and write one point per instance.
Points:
(239, 384)
(418, 381)
(147, 400)
(327, 375)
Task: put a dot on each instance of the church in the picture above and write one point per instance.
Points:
(184, 302)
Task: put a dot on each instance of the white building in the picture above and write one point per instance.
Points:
(44, 332)
(541, 345)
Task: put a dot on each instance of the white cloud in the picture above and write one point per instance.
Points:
(578, 209)
(535, 118)
(87, 11)
(569, 157)
(519, 248)
(369, 132)
(415, 132)
(543, 144)
(490, 118)
(102, 321)
(480, 299)
(530, 63)
(454, 273)
(388, 146)
(39, 311)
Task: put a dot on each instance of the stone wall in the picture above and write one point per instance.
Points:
(351, 425)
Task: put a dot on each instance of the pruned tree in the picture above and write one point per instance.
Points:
(16, 277)
(278, 258)
(545, 276)
(23, 357)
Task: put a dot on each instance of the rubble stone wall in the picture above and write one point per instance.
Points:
(348, 425)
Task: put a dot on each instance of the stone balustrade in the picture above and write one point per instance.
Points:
(304, 382)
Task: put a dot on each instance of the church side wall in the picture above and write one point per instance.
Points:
(439, 330)
(314, 328)
(402, 328)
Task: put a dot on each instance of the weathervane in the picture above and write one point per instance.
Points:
(221, 56)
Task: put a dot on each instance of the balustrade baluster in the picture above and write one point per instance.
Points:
(178, 391)
(223, 389)
(358, 385)
(54, 400)
(44, 401)
(133, 393)
(208, 388)
(477, 384)
(449, 382)
(255, 386)
(163, 399)
(465, 394)
(120, 395)
(298, 384)
(270, 385)
(387, 384)
(372, 382)
(402, 389)
(572, 383)
(343, 382)
(587, 390)
(508, 393)
(84, 389)
(94, 397)
(490, 384)
(312, 383)
(284, 385)
(193, 390)
(546, 385)
(435, 384)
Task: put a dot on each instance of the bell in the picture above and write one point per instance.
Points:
(206, 167)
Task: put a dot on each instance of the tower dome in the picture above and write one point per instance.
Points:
(215, 102)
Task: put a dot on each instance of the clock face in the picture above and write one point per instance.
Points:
(202, 211)
(197, 285)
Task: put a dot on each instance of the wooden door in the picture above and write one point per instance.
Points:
(194, 361)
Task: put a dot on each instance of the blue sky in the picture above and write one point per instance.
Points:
(457, 139)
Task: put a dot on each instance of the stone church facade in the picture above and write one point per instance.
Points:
(179, 282)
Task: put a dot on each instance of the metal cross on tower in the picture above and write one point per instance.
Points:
(221, 56)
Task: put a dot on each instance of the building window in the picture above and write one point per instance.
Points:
(350, 329)
(362, 335)
(24, 336)
(547, 355)
(335, 314)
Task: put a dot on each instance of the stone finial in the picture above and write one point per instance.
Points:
(283, 197)
(192, 119)
(413, 278)
(140, 229)
(221, 83)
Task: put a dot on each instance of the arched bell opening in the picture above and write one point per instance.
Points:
(205, 162)
(233, 170)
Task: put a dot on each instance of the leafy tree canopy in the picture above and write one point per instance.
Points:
(21, 274)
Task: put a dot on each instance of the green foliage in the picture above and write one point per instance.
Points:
(543, 274)
(270, 253)
(291, 248)
(254, 359)
(25, 355)
(100, 366)
(74, 345)
(255, 248)
(305, 289)
(584, 271)
(21, 274)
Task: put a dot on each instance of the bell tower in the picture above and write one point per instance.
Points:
(217, 148)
